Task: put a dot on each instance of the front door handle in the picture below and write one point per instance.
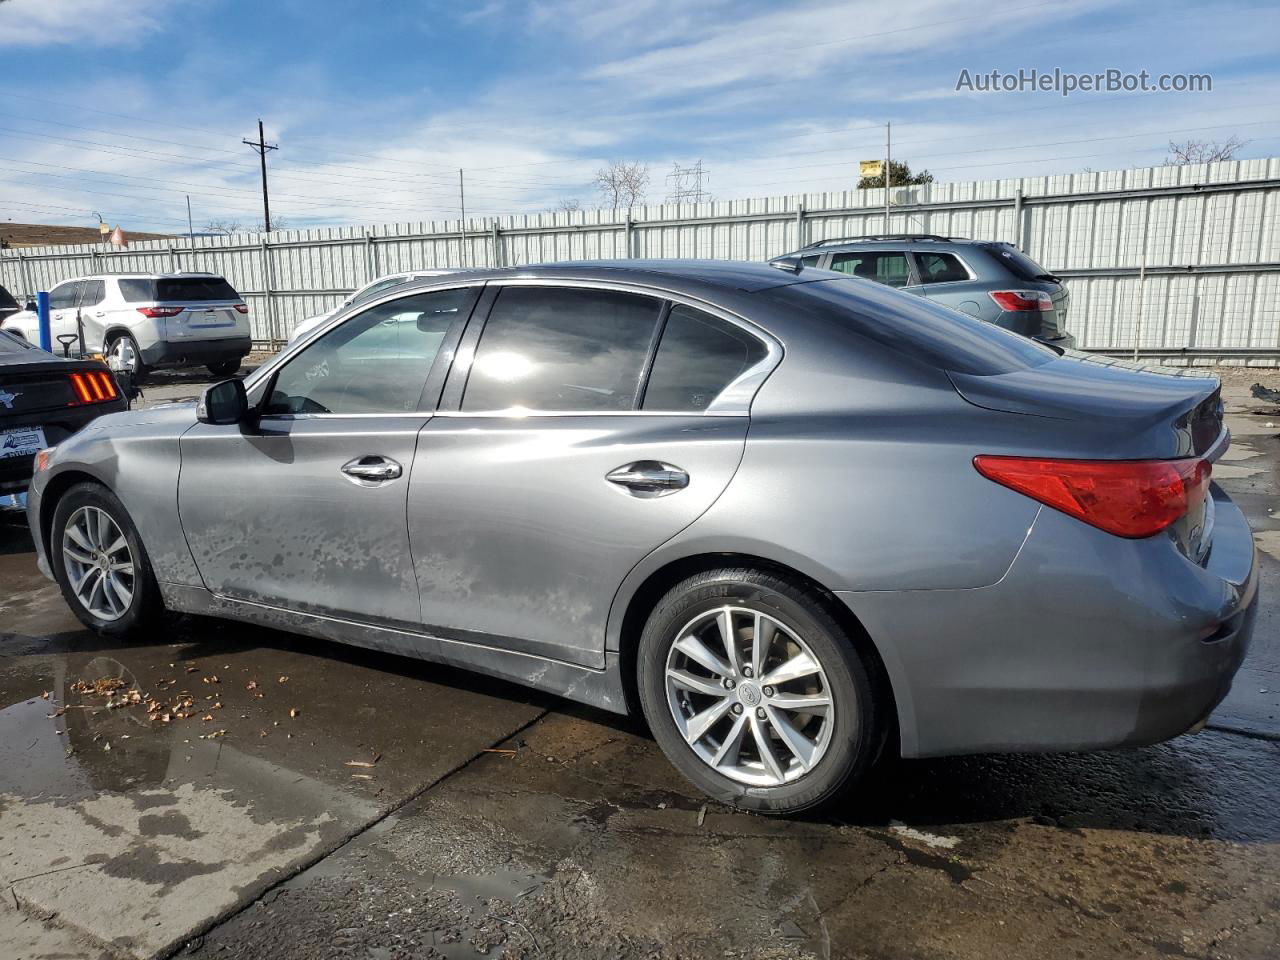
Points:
(372, 469)
(649, 478)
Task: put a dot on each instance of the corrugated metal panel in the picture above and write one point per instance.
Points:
(1231, 227)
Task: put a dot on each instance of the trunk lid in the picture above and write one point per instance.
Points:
(1108, 409)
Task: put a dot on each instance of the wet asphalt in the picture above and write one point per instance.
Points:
(304, 799)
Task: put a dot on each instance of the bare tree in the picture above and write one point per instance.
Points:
(1203, 151)
(277, 223)
(225, 227)
(622, 184)
(568, 205)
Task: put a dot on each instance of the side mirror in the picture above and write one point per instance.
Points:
(30, 306)
(223, 403)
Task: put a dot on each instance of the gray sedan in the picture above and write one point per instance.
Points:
(798, 520)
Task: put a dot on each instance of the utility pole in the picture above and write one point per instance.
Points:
(191, 230)
(261, 147)
(462, 203)
(888, 175)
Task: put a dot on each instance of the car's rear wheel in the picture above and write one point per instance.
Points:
(100, 563)
(123, 354)
(756, 693)
(224, 368)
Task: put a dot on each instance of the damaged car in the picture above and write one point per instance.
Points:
(794, 519)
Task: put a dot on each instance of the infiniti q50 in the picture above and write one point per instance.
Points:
(794, 518)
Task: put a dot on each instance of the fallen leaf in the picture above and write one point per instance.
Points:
(251, 685)
(359, 763)
(207, 716)
(294, 711)
(192, 669)
(283, 680)
(45, 695)
(361, 776)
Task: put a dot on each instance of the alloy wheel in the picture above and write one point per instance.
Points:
(749, 696)
(99, 563)
(124, 355)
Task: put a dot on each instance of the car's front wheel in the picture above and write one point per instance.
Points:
(756, 693)
(99, 562)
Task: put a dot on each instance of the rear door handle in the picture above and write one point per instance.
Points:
(649, 478)
(372, 469)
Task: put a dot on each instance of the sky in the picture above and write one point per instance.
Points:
(121, 109)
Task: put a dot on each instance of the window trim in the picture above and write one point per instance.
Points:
(733, 401)
(919, 268)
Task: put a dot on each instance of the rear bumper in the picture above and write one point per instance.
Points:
(169, 353)
(15, 472)
(1089, 641)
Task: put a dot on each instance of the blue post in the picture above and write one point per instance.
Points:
(42, 311)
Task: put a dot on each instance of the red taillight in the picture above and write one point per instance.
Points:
(1129, 498)
(242, 308)
(92, 387)
(1022, 299)
(160, 311)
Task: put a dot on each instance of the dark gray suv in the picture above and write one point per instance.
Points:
(995, 282)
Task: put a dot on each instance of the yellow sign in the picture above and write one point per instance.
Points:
(869, 168)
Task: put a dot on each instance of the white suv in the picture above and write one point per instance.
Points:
(145, 320)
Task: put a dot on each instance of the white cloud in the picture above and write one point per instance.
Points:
(96, 23)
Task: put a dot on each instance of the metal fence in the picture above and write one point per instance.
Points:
(1209, 235)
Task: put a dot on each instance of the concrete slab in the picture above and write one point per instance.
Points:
(140, 833)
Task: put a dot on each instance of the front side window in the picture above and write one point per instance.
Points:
(880, 266)
(64, 295)
(940, 268)
(812, 260)
(562, 349)
(375, 362)
(698, 357)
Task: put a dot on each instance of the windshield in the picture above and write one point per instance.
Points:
(1019, 264)
(176, 290)
(10, 344)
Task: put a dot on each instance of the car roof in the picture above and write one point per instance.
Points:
(141, 276)
(740, 275)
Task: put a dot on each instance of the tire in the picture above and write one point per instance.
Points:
(224, 368)
(87, 502)
(800, 617)
(125, 343)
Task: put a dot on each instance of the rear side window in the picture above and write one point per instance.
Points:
(549, 348)
(1018, 263)
(698, 357)
(881, 266)
(940, 268)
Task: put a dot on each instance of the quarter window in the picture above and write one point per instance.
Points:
(940, 268)
(698, 357)
(549, 348)
(375, 362)
(882, 266)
